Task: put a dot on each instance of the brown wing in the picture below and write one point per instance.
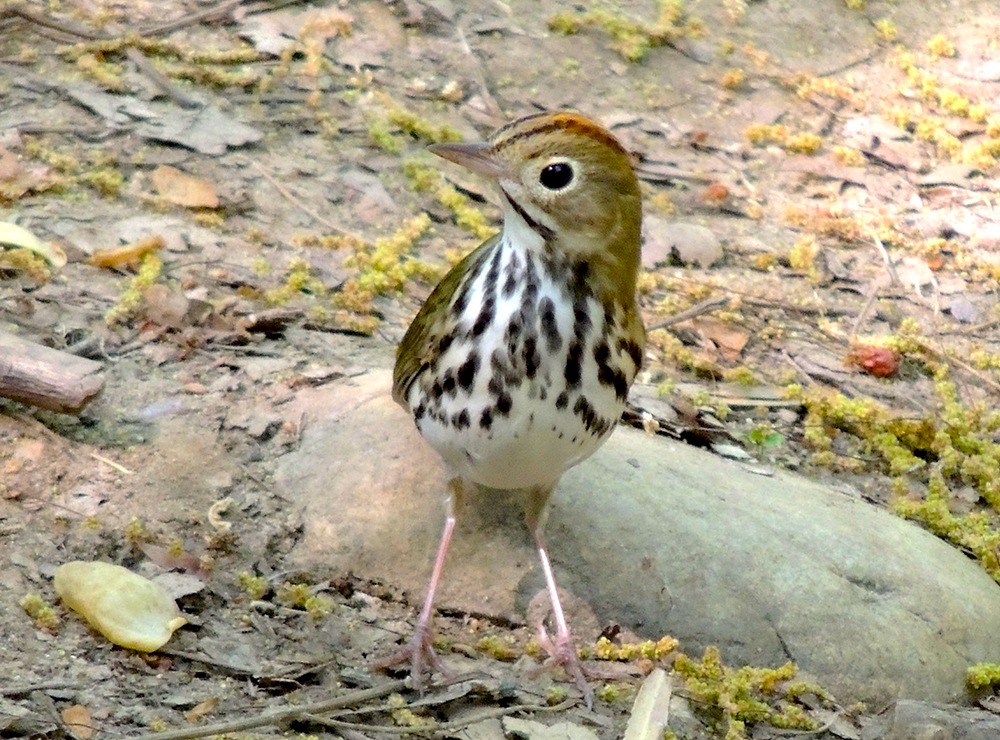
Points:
(422, 341)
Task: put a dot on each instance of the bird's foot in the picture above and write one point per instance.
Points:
(419, 653)
(562, 652)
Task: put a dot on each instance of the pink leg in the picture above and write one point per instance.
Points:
(420, 650)
(563, 650)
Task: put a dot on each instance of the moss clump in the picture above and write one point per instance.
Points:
(254, 586)
(802, 255)
(760, 134)
(972, 531)
(983, 676)
(732, 78)
(421, 128)
(134, 296)
(426, 179)
(632, 39)
(848, 156)
(497, 648)
(735, 698)
(615, 693)
(886, 29)
(382, 268)
(604, 649)
(33, 266)
(940, 46)
(804, 143)
(298, 280)
(43, 615)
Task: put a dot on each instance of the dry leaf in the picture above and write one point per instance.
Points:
(166, 306)
(170, 559)
(183, 189)
(202, 709)
(881, 362)
(126, 608)
(77, 721)
(10, 168)
(728, 340)
(119, 256)
(13, 235)
(651, 708)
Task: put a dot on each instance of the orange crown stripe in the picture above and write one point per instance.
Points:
(545, 122)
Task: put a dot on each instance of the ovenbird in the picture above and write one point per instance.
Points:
(518, 365)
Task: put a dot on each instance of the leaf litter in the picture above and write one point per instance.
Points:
(244, 300)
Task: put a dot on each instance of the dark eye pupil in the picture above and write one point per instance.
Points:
(557, 175)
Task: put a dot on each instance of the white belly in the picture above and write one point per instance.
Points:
(523, 417)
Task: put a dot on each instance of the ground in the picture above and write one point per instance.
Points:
(239, 204)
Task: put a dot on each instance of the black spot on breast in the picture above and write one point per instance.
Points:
(562, 400)
(621, 385)
(419, 411)
(581, 317)
(436, 390)
(578, 284)
(513, 273)
(467, 372)
(448, 382)
(573, 359)
(513, 332)
(531, 277)
(485, 317)
(486, 419)
(605, 375)
(461, 419)
(496, 386)
(550, 329)
(503, 404)
(444, 343)
(602, 353)
(532, 359)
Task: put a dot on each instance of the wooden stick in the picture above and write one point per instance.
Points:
(46, 377)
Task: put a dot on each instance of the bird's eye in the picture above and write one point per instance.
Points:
(556, 176)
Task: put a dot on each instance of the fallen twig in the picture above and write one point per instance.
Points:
(302, 206)
(29, 688)
(277, 716)
(219, 9)
(705, 306)
(444, 726)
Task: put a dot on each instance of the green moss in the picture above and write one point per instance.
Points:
(43, 615)
(497, 648)
(254, 586)
(381, 136)
(631, 38)
(616, 693)
(134, 296)
(468, 217)
(983, 676)
(298, 280)
(971, 531)
(421, 128)
(744, 696)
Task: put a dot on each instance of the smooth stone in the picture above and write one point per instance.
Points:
(661, 538)
(917, 720)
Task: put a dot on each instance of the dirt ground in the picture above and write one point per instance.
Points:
(237, 203)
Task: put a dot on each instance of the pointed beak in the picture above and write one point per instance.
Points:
(476, 157)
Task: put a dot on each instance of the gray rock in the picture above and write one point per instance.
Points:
(917, 720)
(665, 240)
(659, 537)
